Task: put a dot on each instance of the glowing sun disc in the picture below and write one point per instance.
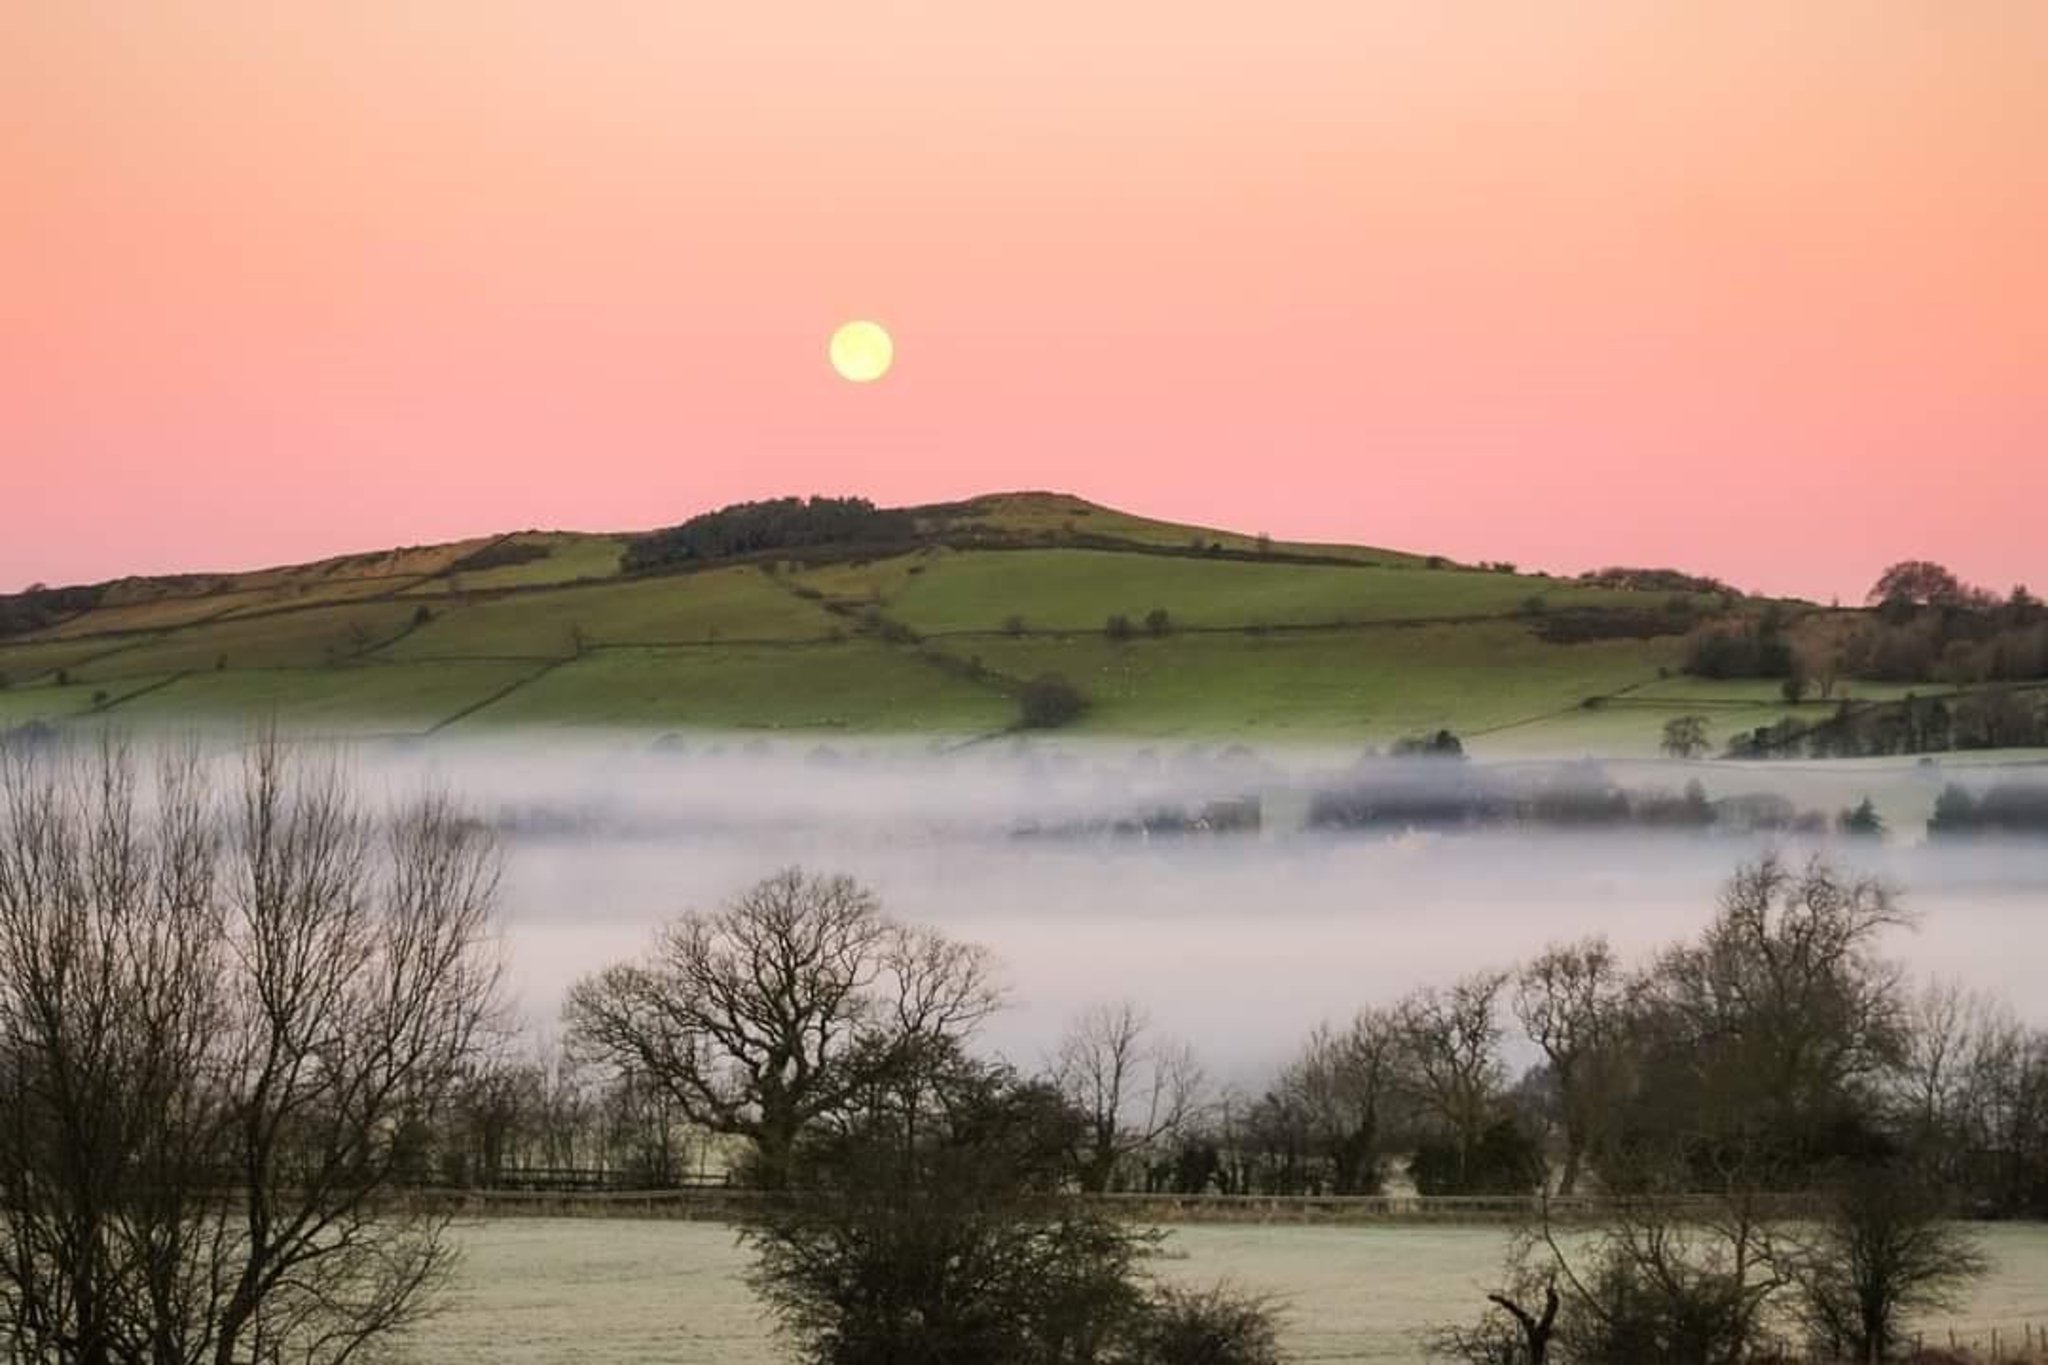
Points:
(862, 352)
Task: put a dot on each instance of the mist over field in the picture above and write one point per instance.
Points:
(1239, 941)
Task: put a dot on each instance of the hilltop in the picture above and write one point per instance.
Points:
(920, 620)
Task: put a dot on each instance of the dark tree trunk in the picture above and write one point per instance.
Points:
(1536, 1329)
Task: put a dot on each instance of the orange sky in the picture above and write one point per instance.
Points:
(1750, 287)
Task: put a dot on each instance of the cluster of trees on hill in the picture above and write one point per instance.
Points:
(1658, 580)
(37, 607)
(1926, 626)
(747, 528)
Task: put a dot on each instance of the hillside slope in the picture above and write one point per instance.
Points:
(1215, 634)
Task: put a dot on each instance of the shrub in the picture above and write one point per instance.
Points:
(1049, 701)
(1215, 1326)
(1157, 622)
(1442, 744)
(422, 614)
(1118, 627)
(944, 1239)
(1013, 624)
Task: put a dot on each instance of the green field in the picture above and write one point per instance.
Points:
(855, 685)
(1081, 589)
(410, 697)
(699, 608)
(569, 559)
(299, 638)
(32, 662)
(1284, 641)
(1375, 683)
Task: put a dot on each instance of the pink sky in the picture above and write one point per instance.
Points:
(1755, 288)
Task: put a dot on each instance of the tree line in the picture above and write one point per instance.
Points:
(1999, 717)
(746, 528)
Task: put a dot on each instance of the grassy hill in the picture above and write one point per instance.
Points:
(1259, 640)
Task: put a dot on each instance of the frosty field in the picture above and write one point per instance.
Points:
(623, 1292)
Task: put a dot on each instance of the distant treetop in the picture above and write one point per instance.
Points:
(1920, 581)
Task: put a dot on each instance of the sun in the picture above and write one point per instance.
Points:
(862, 352)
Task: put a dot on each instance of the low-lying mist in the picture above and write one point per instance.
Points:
(1189, 878)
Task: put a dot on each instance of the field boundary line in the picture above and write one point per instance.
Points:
(495, 697)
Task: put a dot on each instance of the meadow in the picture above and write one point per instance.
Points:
(624, 1292)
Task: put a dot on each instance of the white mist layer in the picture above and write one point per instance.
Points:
(1239, 943)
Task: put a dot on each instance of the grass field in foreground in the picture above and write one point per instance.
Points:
(620, 1292)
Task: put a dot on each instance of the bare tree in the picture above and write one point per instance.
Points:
(1947, 1032)
(223, 1026)
(1134, 1089)
(1451, 1048)
(782, 1010)
(1572, 1000)
(1884, 1249)
(1782, 1021)
(1345, 1085)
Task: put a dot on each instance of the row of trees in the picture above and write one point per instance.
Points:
(1778, 1040)
(1991, 718)
(1776, 1063)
